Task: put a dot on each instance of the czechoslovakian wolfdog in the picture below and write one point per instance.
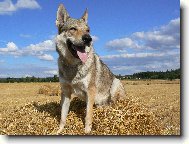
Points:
(81, 72)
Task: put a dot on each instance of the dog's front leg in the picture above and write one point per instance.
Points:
(89, 114)
(65, 104)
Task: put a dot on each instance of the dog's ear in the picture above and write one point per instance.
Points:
(62, 16)
(85, 16)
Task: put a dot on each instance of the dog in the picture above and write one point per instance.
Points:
(81, 71)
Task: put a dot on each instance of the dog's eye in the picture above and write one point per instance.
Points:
(73, 29)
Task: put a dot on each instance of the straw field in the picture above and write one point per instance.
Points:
(152, 108)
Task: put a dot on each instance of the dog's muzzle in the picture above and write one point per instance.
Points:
(78, 51)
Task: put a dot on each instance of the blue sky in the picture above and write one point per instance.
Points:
(129, 36)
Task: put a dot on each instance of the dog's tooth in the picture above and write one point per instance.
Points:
(87, 49)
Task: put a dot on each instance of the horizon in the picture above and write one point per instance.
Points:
(129, 36)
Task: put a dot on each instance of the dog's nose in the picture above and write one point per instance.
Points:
(86, 38)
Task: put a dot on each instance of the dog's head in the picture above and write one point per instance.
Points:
(75, 33)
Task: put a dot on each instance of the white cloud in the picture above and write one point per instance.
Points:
(132, 63)
(95, 38)
(11, 48)
(164, 38)
(36, 50)
(122, 43)
(27, 75)
(46, 57)
(173, 27)
(7, 7)
(47, 45)
(133, 55)
(51, 72)
(30, 4)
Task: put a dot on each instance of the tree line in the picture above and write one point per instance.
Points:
(29, 79)
(169, 74)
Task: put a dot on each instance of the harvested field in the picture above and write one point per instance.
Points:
(151, 108)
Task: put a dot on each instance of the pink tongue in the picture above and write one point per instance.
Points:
(82, 56)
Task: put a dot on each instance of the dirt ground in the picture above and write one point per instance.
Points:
(152, 108)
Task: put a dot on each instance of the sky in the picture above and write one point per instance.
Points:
(129, 36)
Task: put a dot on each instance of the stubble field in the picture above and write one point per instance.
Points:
(152, 108)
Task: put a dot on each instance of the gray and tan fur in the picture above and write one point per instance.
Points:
(81, 72)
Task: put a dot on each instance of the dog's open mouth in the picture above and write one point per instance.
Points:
(77, 51)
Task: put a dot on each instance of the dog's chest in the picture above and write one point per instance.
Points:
(80, 86)
(78, 77)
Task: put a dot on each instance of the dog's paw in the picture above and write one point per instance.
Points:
(59, 131)
(55, 132)
(87, 129)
